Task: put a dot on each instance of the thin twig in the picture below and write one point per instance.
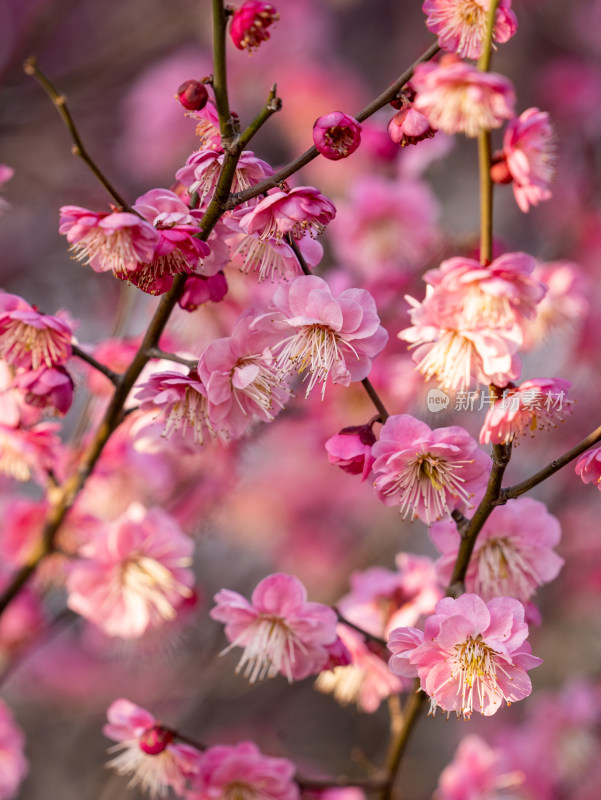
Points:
(156, 352)
(370, 636)
(375, 399)
(308, 156)
(272, 105)
(550, 469)
(108, 373)
(60, 103)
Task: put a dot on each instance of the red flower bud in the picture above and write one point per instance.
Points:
(193, 95)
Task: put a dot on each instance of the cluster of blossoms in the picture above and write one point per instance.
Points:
(34, 351)
(150, 754)
(472, 321)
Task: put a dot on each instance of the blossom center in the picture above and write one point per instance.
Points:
(427, 480)
(504, 571)
(315, 348)
(153, 582)
(475, 670)
(269, 649)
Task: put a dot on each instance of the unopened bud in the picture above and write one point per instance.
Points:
(154, 740)
(249, 24)
(192, 95)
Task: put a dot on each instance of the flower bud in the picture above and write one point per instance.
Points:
(193, 95)
(249, 24)
(154, 740)
(336, 135)
(351, 450)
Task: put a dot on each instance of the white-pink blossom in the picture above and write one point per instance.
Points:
(472, 655)
(514, 553)
(366, 681)
(297, 212)
(242, 772)
(179, 402)
(329, 336)
(179, 250)
(461, 24)
(534, 405)
(119, 241)
(134, 575)
(588, 467)
(243, 382)
(459, 98)
(29, 338)
(148, 752)
(279, 630)
(529, 150)
(202, 169)
(478, 772)
(381, 599)
(428, 473)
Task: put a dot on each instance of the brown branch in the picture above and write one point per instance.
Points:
(108, 373)
(312, 153)
(60, 103)
(546, 472)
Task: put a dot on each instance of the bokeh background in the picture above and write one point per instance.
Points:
(273, 502)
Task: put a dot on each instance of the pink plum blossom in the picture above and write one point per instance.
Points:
(13, 761)
(566, 304)
(202, 169)
(461, 24)
(588, 467)
(428, 473)
(207, 127)
(329, 336)
(447, 349)
(30, 339)
(249, 23)
(120, 241)
(336, 135)
(179, 402)
(514, 553)
(472, 655)
(49, 388)
(408, 126)
(478, 772)
(273, 259)
(366, 680)
(243, 772)
(148, 751)
(473, 320)
(297, 212)
(529, 151)
(458, 98)
(27, 453)
(531, 406)
(200, 290)
(388, 225)
(134, 575)
(381, 599)
(179, 250)
(350, 449)
(279, 630)
(499, 295)
(243, 383)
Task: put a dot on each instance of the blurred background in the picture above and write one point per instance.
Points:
(272, 502)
